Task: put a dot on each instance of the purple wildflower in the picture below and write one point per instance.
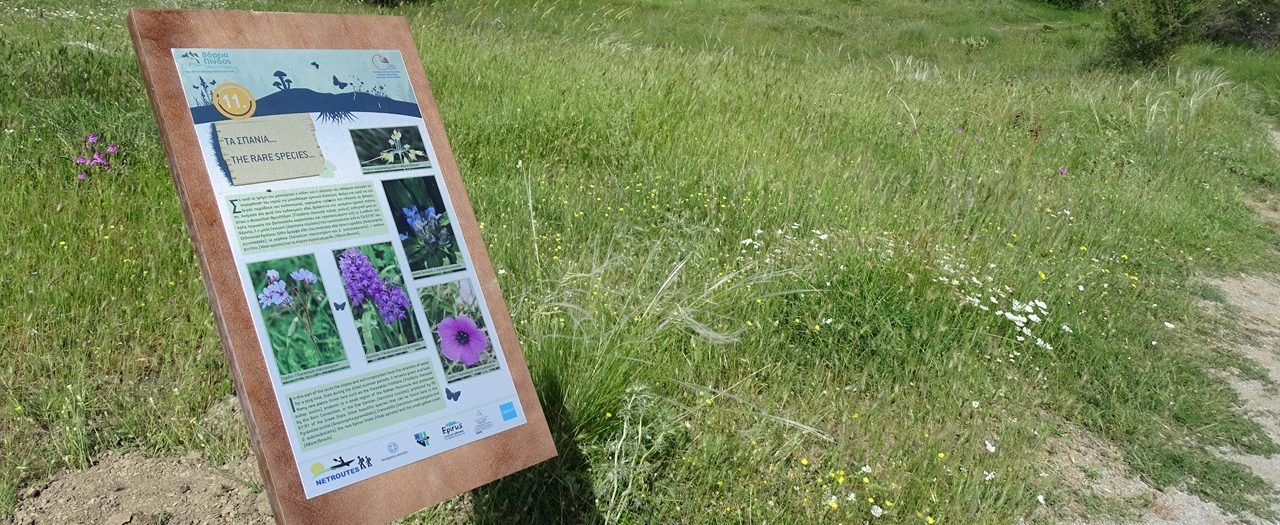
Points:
(358, 275)
(303, 275)
(959, 130)
(81, 176)
(274, 295)
(461, 340)
(1062, 170)
(273, 276)
(93, 158)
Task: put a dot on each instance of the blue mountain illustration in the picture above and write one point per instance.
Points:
(301, 100)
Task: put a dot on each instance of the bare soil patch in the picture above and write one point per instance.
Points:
(1175, 507)
(1094, 469)
(1268, 209)
(1088, 464)
(1257, 299)
(133, 489)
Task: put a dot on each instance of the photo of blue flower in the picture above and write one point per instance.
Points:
(426, 230)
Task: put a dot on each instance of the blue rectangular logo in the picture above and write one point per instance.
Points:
(508, 410)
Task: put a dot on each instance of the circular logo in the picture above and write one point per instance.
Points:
(382, 62)
(233, 100)
(393, 447)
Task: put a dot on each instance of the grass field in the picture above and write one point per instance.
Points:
(769, 260)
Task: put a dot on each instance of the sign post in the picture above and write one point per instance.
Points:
(371, 348)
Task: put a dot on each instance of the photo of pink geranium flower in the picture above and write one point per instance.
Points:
(461, 340)
(465, 347)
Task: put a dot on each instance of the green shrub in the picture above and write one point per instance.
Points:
(1254, 23)
(1148, 31)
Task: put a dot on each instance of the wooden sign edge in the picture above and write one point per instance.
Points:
(383, 497)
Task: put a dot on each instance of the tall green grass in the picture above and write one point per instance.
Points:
(739, 243)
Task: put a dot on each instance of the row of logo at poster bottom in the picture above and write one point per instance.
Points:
(391, 451)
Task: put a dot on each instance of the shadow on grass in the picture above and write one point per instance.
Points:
(556, 491)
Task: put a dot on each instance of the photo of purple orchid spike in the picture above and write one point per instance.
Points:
(426, 230)
(380, 307)
(457, 322)
(298, 319)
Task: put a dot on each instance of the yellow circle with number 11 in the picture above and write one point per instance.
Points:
(233, 100)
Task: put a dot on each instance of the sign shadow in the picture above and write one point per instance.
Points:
(556, 491)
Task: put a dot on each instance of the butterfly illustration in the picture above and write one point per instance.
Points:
(339, 83)
(340, 306)
(317, 65)
(453, 396)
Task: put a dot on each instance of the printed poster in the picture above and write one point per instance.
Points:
(380, 346)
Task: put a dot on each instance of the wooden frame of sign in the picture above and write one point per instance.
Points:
(397, 490)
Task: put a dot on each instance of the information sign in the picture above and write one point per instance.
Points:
(373, 353)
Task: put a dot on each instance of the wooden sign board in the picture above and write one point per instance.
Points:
(374, 356)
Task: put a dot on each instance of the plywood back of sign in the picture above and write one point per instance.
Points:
(395, 493)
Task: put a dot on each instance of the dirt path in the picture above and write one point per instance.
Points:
(1258, 300)
(1093, 468)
